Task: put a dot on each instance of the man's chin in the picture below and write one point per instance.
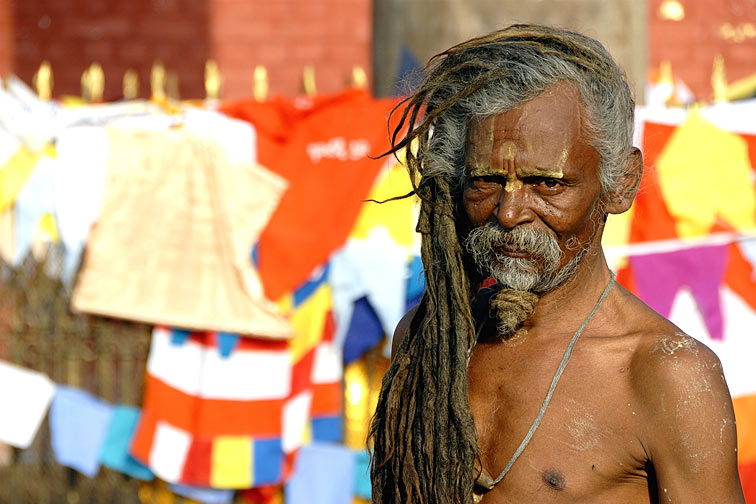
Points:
(503, 253)
(515, 272)
(516, 280)
(527, 275)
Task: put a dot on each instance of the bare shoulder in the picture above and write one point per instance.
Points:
(665, 360)
(401, 329)
(686, 415)
(661, 350)
(673, 366)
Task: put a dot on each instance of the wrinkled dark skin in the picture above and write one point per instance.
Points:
(642, 412)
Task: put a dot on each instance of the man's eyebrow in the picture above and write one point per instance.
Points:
(542, 171)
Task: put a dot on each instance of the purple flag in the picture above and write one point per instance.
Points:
(658, 278)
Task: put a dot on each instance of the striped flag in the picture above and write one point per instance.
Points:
(221, 422)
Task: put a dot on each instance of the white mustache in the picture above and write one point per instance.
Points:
(521, 239)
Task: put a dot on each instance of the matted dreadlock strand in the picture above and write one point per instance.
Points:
(444, 342)
(441, 446)
(424, 442)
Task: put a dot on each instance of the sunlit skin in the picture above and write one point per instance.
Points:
(531, 167)
(642, 412)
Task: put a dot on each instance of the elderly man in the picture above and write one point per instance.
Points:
(555, 384)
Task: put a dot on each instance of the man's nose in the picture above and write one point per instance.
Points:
(514, 208)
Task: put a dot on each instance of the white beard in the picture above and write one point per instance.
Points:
(538, 273)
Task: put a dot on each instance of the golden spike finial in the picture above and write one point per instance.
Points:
(43, 81)
(359, 77)
(308, 80)
(130, 84)
(719, 79)
(260, 83)
(157, 81)
(86, 85)
(666, 80)
(213, 80)
(96, 82)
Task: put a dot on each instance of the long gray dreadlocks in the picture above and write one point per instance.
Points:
(423, 435)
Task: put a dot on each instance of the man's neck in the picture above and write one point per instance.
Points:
(572, 300)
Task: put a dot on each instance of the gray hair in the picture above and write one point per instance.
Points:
(524, 61)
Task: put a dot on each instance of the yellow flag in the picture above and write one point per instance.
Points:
(704, 174)
(398, 217)
(231, 462)
(14, 173)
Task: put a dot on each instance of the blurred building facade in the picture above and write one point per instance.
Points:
(283, 35)
(691, 33)
(428, 27)
(6, 37)
(335, 36)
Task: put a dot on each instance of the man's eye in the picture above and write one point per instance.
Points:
(547, 182)
(550, 182)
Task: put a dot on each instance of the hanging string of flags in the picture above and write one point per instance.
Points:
(313, 275)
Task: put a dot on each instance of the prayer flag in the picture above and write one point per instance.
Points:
(237, 420)
(204, 414)
(689, 249)
(114, 453)
(204, 495)
(323, 473)
(78, 427)
(25, 397)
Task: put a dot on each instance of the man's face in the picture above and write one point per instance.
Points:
(532, 191)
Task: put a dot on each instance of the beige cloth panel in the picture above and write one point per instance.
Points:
(173, 241)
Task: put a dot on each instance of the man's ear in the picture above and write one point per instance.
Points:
(622, 198)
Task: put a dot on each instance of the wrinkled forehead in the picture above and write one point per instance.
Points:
(538, 131)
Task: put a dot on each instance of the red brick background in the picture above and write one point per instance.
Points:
(282, 35)
(119, 35)
(287, 35)
(6, 37)
(692, 43)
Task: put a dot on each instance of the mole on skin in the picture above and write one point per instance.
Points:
(491, 156)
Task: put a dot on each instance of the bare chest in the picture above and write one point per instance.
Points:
(586, 447)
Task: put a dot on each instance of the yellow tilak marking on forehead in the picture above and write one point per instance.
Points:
(539, 172)
(563, 158)
(513, 182)
(483, 170)
(559, 173)
(507, 150)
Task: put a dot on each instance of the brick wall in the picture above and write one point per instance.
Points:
(287, 35)
(691, 43)
(6, 37)
(119, 35)
(332, 35)
(282, 35)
